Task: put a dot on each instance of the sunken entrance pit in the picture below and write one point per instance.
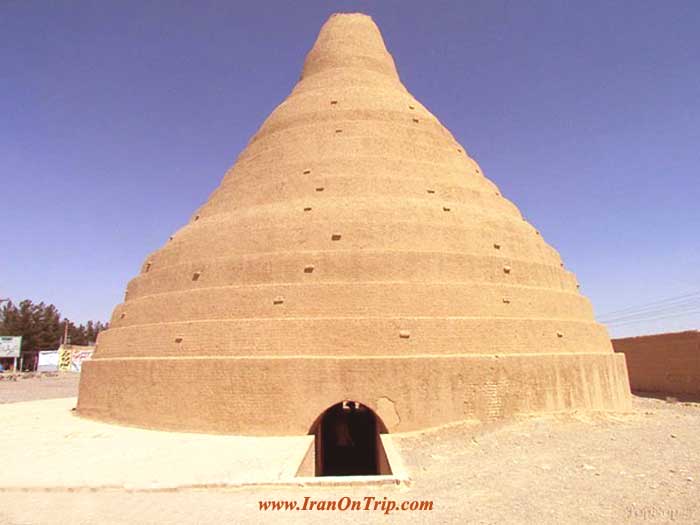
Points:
(347, 442)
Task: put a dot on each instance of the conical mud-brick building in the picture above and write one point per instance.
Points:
(356, 252)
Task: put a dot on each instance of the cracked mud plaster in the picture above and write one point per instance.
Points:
(386, 410)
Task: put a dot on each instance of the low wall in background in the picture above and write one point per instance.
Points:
(663, 363)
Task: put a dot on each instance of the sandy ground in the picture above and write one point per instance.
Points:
(28, 387)
(114, 456)
(641, 467)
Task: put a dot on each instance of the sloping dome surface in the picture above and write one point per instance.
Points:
(354, 251)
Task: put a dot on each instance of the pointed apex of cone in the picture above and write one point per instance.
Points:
(349, 40)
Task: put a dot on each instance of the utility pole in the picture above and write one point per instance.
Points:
(14, 361)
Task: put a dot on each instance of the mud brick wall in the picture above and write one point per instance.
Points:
(663, 363)
(354, 250)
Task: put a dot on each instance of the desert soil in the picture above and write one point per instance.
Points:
(31, 387)
(639, 467)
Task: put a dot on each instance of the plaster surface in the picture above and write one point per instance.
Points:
(354, 251)
(663, 363)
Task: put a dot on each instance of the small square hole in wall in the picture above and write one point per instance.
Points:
(196, 218)
(306, 172)
(195, 276)
(278, 300)
(308, 269)
(404, 334)
(506, 269)
(320, 188)
(430, 191)
(415, 120)
(446, 208)
(334, 102)
(506, 300)
(338, 130)
(147, 267)
(122, 315)
(308, 208)
(459, 150)
(411, 107)
(178, 340)
(496, 246)
(336, 237)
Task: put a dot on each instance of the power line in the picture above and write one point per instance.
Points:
(669, 308)
(651, 305)
(653, 317)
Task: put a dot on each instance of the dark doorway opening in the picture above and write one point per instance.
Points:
(348, 442)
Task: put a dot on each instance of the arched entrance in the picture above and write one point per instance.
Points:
(348, 443)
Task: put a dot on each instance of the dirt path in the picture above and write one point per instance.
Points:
(30, 387)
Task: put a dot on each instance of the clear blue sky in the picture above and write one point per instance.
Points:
(118, 119)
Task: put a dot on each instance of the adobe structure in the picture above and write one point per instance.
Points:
(355, 251)
(663, 363)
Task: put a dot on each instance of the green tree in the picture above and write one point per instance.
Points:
(38, 324)
(41, 327)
